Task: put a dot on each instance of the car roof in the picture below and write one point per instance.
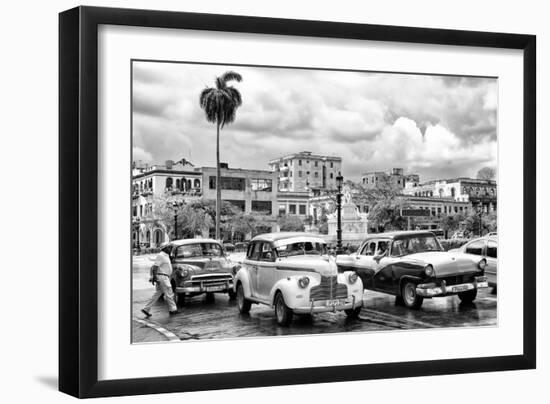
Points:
(188, 241)
(287, 235)
(399, 234)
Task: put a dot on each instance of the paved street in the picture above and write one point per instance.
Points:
(202, 319)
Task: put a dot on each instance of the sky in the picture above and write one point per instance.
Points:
(434, 126)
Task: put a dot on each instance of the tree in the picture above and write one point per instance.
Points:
(450, 223)
(290, 223)
(220, 105)
(486, 173)
(384, 203)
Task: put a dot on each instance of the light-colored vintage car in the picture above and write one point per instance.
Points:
(293, 273)
(484, 247)
(200, 266)
(412, 265)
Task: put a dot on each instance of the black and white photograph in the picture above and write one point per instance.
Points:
(350, 201)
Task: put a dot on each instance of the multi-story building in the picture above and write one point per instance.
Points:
(435, 208)
(394, 179)
(305, 171)
(176, 179)
(479, 193)
(252, 191)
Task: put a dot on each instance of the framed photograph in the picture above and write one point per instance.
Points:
(251, 201)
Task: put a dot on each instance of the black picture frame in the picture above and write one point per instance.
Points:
(78, 180)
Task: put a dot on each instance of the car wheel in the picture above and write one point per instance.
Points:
(468, 296)
(409, 295)
(353, 313)
(179, 298)
(232, 295)
(282, 312)
(242, 303)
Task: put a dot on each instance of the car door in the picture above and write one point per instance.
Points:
(491, 257)
(266, 273)
(252, 262)
(364, 264)
(383, 278)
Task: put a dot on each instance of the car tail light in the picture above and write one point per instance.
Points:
(303, 282)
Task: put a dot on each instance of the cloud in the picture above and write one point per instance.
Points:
(437, 125)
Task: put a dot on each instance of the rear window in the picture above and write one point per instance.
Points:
(475, 248)
(492, 249)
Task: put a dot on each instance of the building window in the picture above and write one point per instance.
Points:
(141, 210)
(302, 209)
(453, 192)
(316, 164)
(292, 209)
(262, 206)
(228, 183)
(331, 164)
(260, 184)
(299, 162)
(169, 182)
(239, 204)
(316, 174)
(299, 173)
(134, 210)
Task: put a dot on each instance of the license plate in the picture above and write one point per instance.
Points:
(215, 288)
(335, 302)
(460, 288)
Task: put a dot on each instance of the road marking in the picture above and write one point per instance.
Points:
(168, 334)
(396, 319)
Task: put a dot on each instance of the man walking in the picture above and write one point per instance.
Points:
(160, 277)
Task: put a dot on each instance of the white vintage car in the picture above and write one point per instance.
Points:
(293, 273)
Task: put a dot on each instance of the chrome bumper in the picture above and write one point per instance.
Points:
(433, 290)
(324, 306)
(204, 288)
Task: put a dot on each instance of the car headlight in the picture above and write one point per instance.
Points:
(182, 272)
(352, 277)
(482, 264)
(429, 270)
(235, 269)
(303, 282)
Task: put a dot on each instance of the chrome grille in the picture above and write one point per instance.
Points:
(210, 280)
(329, 288)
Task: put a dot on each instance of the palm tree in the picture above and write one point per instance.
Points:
(220, 106)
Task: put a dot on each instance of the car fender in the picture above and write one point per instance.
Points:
(356, 289)
(290, 289)
(243, 277)
(415, 279)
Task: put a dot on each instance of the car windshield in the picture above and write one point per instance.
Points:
(301, 248)
(199, 250)
(415, 244)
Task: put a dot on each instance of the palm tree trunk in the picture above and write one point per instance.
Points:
(218, 183)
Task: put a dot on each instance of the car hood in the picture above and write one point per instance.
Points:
(446, 263)
(325, 265)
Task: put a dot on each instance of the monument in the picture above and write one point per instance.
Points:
(354, 222)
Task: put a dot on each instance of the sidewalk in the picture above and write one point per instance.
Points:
(142, 333)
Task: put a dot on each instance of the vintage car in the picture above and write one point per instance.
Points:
(200, 266)
(293, 273)
(485, 247)
(412, 265)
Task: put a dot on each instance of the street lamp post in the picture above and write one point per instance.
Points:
(138, 247)
(339, 182)
(175, 206)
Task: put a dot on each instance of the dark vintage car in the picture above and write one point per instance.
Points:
(412, 265)
(200, 266)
